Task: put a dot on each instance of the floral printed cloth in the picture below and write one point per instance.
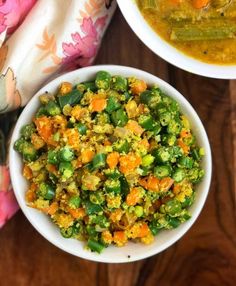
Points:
(40, 40)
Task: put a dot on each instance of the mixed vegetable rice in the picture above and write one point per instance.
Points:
(110, 160)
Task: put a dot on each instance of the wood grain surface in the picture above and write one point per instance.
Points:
(206, 255)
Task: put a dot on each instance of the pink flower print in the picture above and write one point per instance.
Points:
(4, 178)
(12, 12)
(84, 47)
(8, 206)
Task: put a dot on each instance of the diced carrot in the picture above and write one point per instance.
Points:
(87, 156)
(199, 4)
(77, 213)
(141, 108)
(27, 172)
(45, 129)
(165, 184)
(116, 215)
(97, 104)
(51, 168)
(176, 189)
(79, 163)
(131, 108)
(133, 197)
(107, 237)
(138, 86)
(120, 238)
(185, 133)
(53, 208)
(144, 142)
(134, 127)
(107, 142)
(176, 2)
(129, 162)
(150, 183)
(113, 159)
(37, 141)
(143, 230)
(183, 146)
(30, 195)
(78, 112)
(72, 137)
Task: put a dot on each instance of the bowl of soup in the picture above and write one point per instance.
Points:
(198, 36)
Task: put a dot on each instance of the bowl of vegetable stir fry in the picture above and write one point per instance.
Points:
(198, 36)
(110, 163)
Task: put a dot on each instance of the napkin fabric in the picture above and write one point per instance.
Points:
(40, 40)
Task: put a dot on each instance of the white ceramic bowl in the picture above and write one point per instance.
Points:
(169, 53)
(131, 251)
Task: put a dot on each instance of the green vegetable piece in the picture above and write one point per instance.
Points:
(112, 104)
(103, 80)
(90, 85)
(162, 171)
(112, 186)
(82, 128)
(173, 222)
(29, 152)
(66, 154)
(92, 208)
(178, 175)
(100, 220)
(52, 108)
(102, 118)
(27, 130)
(147, 122)
(195, 175)
(174, 126)
(143, 171)
(155, 227)
(66, 170)
(119, 83)
(46, 191)
(52, 157)
(165, 118)
(95, 246)
(197, 153)
(138, 211)
(67, 232)
(121, 146)
(19, 143)
(112, 173)
(119, 117)
(99, 161)
(71, 98)
(75, 202)
(188, 201)
(214, 30)
(162, 154)
(126, 96)
(173, 207)
(185, 162)
(124, 186)
(41, 112)
(168, 139)
(97, 197)
(147, 160)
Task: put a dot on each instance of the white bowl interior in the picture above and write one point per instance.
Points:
(131, 251)
(169, 53)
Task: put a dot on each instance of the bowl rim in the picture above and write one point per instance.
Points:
(114, 69)
(168, 52)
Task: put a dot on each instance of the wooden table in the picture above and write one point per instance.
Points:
(206, 255)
